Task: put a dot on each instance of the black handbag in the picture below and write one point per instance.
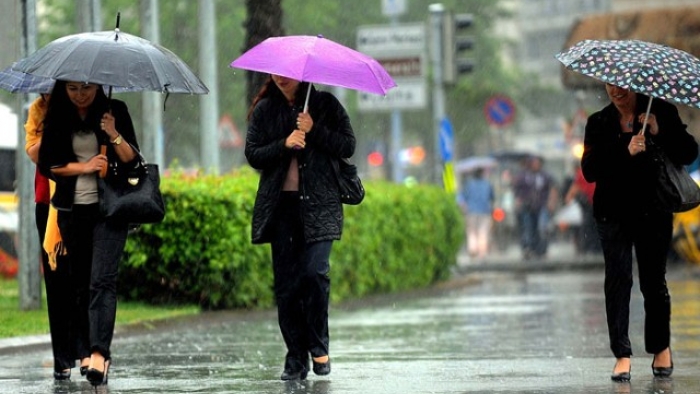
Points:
(675, 190)
(134, 198)
(349, 184)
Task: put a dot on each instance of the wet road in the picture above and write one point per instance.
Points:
(484, 333)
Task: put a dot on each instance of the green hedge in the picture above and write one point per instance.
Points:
(398, 238)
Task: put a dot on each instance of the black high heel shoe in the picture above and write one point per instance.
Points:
(61, 375)
(98, 378)
(621, 376)
(662, 372)
(322, 368)
(84, 369)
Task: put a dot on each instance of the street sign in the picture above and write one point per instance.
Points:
(409, 94)
(410, 66)
(401, 38)
(499, 111)
(400, 49)
(446, 140)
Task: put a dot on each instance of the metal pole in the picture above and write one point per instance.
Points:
(28, 252)
(436, 20)
(152, 117)
(208, 103)
(396, 133)
(86, 15)
(96, 15)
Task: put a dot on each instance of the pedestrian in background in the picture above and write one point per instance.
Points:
(535, 201)
(297, 208)
(60, 297)
(629, 220)
(79, 120)
(478, 198)
(581, 192)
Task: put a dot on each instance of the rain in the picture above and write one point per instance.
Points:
(477, 90)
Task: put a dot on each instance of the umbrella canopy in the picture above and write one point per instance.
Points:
(319, 60)
(475, 162)
(644, 67)
(113, 58)
(19, 82)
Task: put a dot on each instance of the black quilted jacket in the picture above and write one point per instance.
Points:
(332, 137)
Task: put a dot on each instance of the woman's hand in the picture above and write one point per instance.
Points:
(96, 164)
(304, 122)
(107, 124)
(296, 140)
(652, 126)
(637, 144)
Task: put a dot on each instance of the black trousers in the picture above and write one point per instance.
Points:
(60, 299)
(301, 284)
(650, 236)
(95, 248)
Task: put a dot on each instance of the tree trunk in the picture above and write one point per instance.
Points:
(264, 20)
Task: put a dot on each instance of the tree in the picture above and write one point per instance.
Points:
(264, 20)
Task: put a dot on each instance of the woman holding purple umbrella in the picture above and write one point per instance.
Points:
(297, 208)
(615, 158)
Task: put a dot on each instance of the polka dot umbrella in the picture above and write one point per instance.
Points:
(652, 69)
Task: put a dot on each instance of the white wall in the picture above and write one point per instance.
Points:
(8, 127)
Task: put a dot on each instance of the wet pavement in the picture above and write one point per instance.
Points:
(533, 329)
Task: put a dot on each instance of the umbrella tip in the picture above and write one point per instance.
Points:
(319, 35)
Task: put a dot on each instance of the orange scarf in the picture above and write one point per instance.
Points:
(53, 243)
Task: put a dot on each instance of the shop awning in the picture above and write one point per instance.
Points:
(678, 27)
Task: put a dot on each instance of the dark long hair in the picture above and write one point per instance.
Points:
(62, 114)
(270, 89)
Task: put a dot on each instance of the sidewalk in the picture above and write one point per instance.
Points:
(561, 255)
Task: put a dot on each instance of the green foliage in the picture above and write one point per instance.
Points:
(15, 322)
(399, 238)
(201, 253)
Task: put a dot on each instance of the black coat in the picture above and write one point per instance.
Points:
(624, 183)
(331, 137)
(56, 148)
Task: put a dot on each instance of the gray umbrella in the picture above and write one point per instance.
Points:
(19, 82)
(113, 58)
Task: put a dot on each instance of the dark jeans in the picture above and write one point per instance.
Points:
(95, 248)
(650, 236)
(533, 223)
(60, 299)
(302, 285)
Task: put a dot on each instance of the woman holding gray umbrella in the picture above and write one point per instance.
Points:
(627, 218)
(297, 208)
(79, 120)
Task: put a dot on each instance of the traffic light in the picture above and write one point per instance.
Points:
(456, 42)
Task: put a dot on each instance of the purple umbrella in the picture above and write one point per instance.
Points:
(316, 60)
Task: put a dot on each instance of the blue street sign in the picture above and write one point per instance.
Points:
(499, 111)
(446, 140)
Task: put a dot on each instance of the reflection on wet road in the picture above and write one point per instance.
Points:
(536, 333)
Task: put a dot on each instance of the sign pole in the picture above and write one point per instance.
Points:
(396, 132)
(436, 18)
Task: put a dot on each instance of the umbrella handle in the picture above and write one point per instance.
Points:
(306, 102)
(644, 126)
(103, 151)
(306, 108)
